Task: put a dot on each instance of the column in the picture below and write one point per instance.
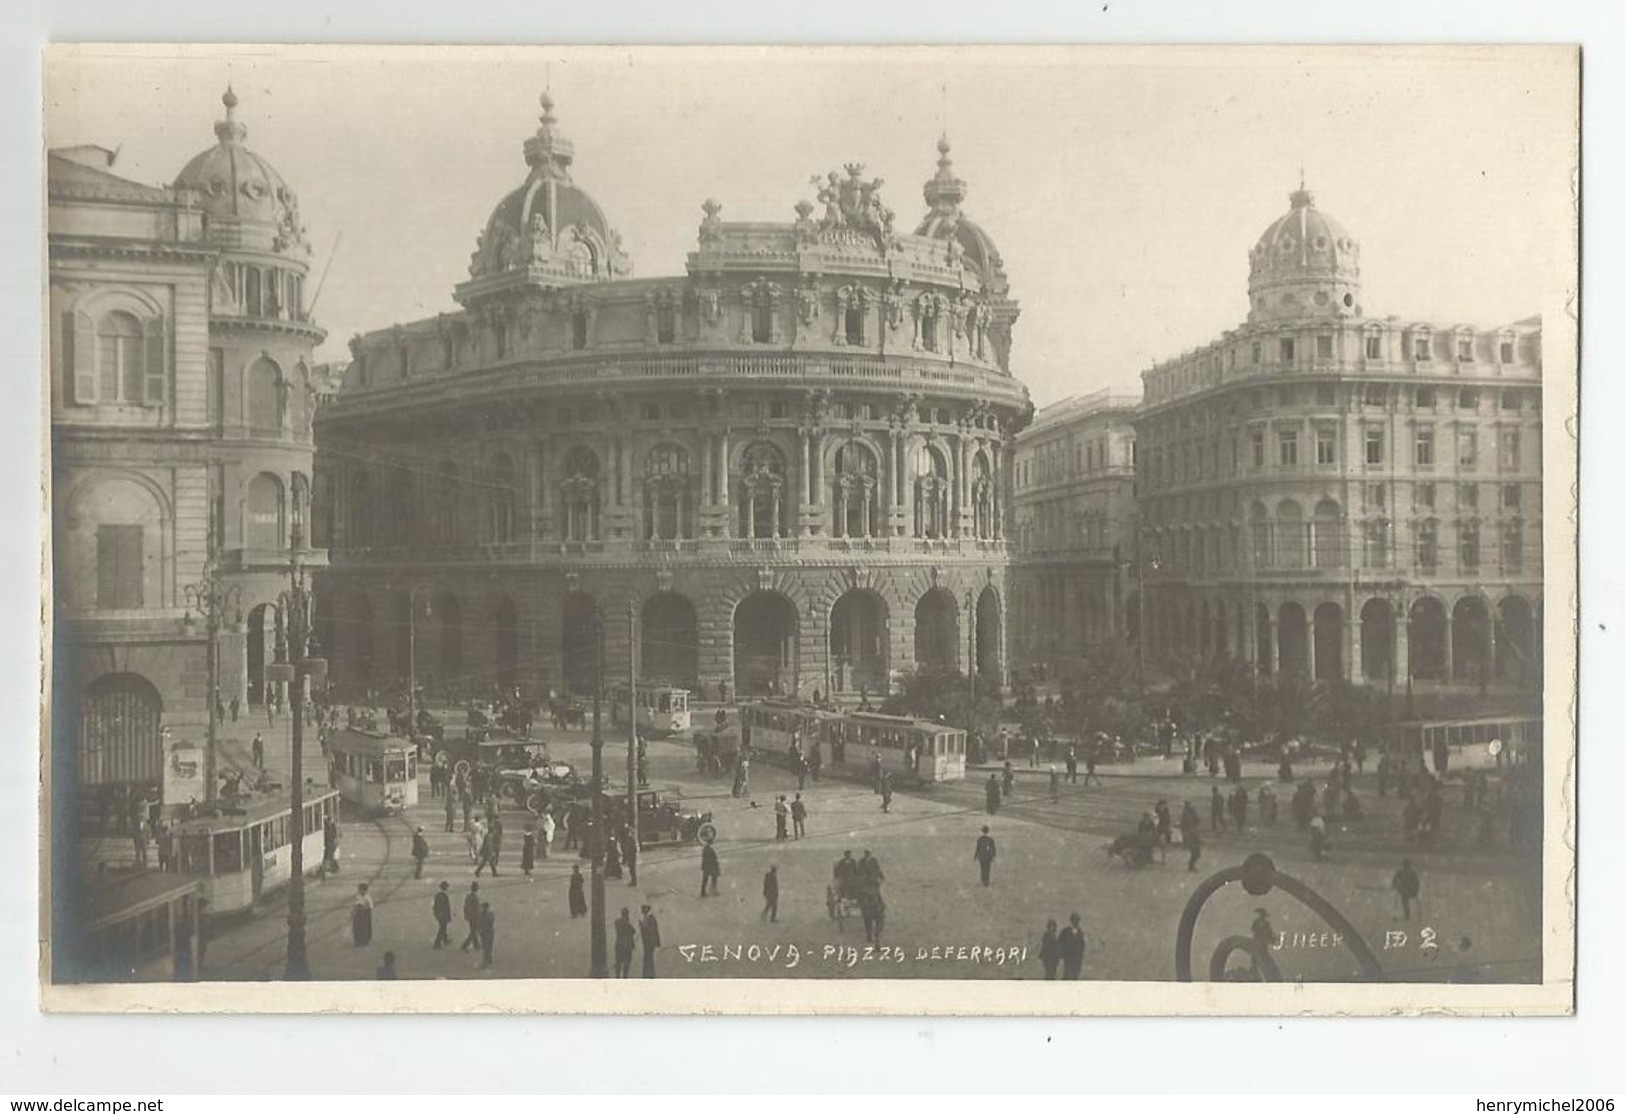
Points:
(722, 468)
(865, 501)
(1353, 666)
(708, 460)
(1489, 642)
(1449, 646)
(748, 496)
(839, 525)
(1309, 654)
(1272, 661)
(773, 526)
(806, 484)
(1402, 645)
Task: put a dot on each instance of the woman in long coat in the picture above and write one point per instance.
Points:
(527, 852)
(361, 917)
(578, 893)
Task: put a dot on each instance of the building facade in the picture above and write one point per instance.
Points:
(181, 443)
(1343, 496)
(786, 470)
(1074, 533)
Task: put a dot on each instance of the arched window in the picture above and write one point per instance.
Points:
(762, 510)
(1326, 536)
(667, 498)
(931, 490)
(856, 491)
(499, 500)
(581, 498)
(1263, 558)
(265, 397)
(120, 359)
(1290, 536)
(982, 495)
(265, 527)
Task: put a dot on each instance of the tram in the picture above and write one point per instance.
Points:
(1484, 741)
(915, 750)
(662, 709)
(243, 854)
(375, 771)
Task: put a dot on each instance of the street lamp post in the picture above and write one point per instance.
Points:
(600, 951)
(632, 729)
(296, 662)
(213, 599)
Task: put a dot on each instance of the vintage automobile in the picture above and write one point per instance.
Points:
(663, 818)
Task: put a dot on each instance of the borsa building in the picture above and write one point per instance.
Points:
(786, 470)
(1337, 495)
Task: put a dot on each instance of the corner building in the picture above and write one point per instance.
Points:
(790, 465)
(181, 408)
(1342, 496)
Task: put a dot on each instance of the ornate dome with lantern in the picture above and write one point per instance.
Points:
(1304, 265)
(549, 231)
(248, 203)
(967, 241)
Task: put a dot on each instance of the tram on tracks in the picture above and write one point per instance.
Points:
(662, 709)
(374, 771)
(1483, 741)
(916, 750)
(244, 853)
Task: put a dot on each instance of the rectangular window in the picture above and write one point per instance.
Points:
(1426, 495)
(1289, 448)
(1289, 350)
(1373, 447)
(1511, 400)
(1511, 497)
(1376, 497)
(761, 323)
(578, 329)
(854, 326)
(1258, 450)
(1376, 542)
(666, 324)
(1323, 348)
(1424, 448)
(1373, 347)
(1469, 545)
(1422, 348)
(1508, 353)
(118, 566)
(1467, 399)
(1467, 448)
(1464, 351)
(1376, 394)
(928, 334)
(651, 411)
(1427, 545)
(1511, 450)
(1512, 546)
(1426, 398)
(1467, 497)
(1326, 446)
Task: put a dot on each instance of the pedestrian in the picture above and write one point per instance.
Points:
(1217, 809)
(270, 712)
(1072, 947)
(1317, 835)
(471, 915)
(164, 837)
(1238, 807)
(993, 794)
(781, 818)
(1009, 780)
(710, 870)
(798, 816)
(465, 797)
(527, 853)
(442, 916)
(475, 839)
(885, 792)
(236, 707)
(488, 934)
(1054, 784)
(451, 810)
(1408, 887)
(256, 751)
(578, 892)
(1165, 823)
(846, 875)
(548, 826)
(1191, 836)
(629, 856)
(387, 969)
(875, 770)
(361, 917)
(1089, 762)
(1071, 764)
(1049, 950)
(139, 833)
(649, 929)
(612, 858)
(625, 939)
(330, 844)
(420, 852)
(1269, 809)
(770, 894)
(984, 854)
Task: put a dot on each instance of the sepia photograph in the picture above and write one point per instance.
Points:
(859, 529)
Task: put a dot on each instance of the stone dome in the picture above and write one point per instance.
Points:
(944, 192)
(234, 186)
(1304, 263)
(549, 228)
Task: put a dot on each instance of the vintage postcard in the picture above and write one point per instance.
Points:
(845, 530)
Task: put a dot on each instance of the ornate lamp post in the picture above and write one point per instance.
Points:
(214, 600)
(296, 661)
(600, 950)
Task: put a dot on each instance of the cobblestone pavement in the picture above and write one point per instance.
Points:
(941, 923)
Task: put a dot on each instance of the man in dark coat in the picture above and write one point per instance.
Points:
(1408, 886)
(420, 852)
(1165, 822)
(488, 933)
(798, 816)
(993, 794)
(1072, 764)
(330, 845)
(578, 893)
(986, 851)
(1190, 832)
(1072, 947)
(649, 930)
(710, 871)
(471, 915)
(625, 939)
(846, 875)
(770, 894)
(1217, 810)
(885, 791)
(442, 915)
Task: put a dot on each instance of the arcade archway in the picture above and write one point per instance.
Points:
(936, 632)
(857, 643)
(765, 645)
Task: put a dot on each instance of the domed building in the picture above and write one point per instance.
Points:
(1340, 496)
(181, 442)
(785, 470)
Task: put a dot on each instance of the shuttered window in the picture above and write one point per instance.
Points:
(118, 566)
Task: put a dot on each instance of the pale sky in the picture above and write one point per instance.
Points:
(1123, 186)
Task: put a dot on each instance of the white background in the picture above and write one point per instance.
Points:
(52, 1055)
